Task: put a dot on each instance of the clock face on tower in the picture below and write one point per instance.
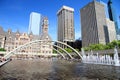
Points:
(45, 22)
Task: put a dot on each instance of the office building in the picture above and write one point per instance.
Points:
(35, 23)
(111, 30)
(93, 23)
(112, 16)
(66, 24)
(106, 8)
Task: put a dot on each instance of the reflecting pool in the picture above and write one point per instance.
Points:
(53, 69)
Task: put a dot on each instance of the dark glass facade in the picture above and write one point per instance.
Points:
(112, 15)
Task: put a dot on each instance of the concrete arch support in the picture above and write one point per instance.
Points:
(38, 41)
(59, 53)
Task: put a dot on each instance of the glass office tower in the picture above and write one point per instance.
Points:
(35, 23)
(112, 15)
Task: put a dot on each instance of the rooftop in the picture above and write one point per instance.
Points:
(67, 8)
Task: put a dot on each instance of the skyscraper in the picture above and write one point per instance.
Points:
(35, 23)
(111, 30)
(93, 23)
(112, 15)
(66, 24)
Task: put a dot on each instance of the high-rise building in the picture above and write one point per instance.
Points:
(106, 8)
(111, 30)
(35, 23)
(112, 15)
(66, 24)
(93, 23)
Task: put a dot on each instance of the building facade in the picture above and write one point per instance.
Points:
(112, 16)
(16, 39)
(2, 38)
(10, 40)
(111, 30)
(66, 24)
(35, 23)
(93, 22)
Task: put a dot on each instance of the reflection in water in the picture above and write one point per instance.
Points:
(56, 70)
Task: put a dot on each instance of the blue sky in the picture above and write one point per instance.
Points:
(14, 14)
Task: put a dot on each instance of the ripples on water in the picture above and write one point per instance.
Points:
(56, 70)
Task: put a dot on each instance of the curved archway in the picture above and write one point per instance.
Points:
(36, 41)
(59, 53)
(65, 52)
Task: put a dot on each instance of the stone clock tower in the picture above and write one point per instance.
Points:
(45, 25)
(46, 47)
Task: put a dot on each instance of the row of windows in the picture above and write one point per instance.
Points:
(46, 51)
(24, 39)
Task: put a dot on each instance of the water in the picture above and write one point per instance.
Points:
(56, 70)
(101, 59)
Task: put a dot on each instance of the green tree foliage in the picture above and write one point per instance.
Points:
(118, 44)
(54, 51)
(97, 47)
(2, 49)
(86, 48)
(68, 50)
(60, 50)
(103, 47)
(77, 50)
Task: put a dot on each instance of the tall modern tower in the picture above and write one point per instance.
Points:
(66, 24)
(35, 23)
(93, 24)
(112, 15)
(111, 30)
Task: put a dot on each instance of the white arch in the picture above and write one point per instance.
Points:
(64, 51)
(55, 50)
(71, 48)
(59, 53)
(9, 54)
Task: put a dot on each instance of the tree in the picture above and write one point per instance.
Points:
(118, 44)
(96, 47)
(2, 49)
(77, 50)
(54, 51)
(113, 44)
(60, 50)
(68, 50)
